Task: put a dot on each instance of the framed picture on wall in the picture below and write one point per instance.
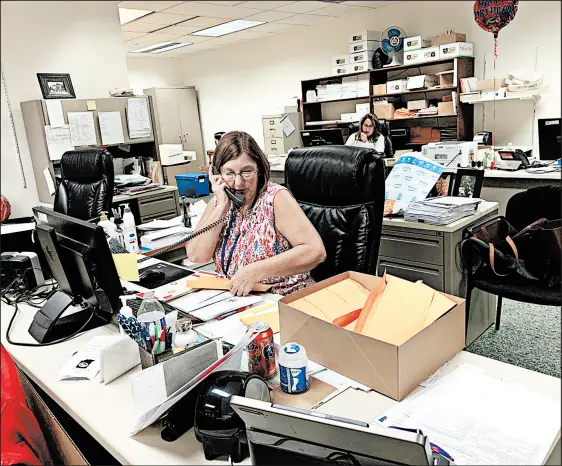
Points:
(56, 86)
(468, 182)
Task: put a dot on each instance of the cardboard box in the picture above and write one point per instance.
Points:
(379, 89)
(396, 86)
(393, 370)
(364, 45)
(490, 84)
(336, 70)
(430, 54)
(365, 35)
(417, 104)
(384, 110)
(457, 49)
(416, 43)
(445, 108)
(413, 56)
(358, 57)
(446, 78)
(422, 81)
(448, 39)
(360, 66)
(340, 60)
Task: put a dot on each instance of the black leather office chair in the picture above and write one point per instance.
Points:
(341, 191)
(384, 128)
(86, 185)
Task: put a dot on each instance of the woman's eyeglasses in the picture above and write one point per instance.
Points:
(246, 175)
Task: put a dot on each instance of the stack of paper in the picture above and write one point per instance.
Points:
(363, 85)
(441, 210)
(349, 87)
(164, 237)
(429, 111)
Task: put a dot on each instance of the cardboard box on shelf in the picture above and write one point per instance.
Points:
(445, 108)
(422, 81)
(490, 84)
(361, 66)
(412, 57)
(417, 104)
(447, 98)
(396, 86)
(446, 78)
(430, 54)
(337, 70)
(416, 43)
(365, 56)
(457, 49)
(365, 35)
(340, 60)
(384, 332)
(379, 89)
(448, 39)
(364, 45)
(384, 110)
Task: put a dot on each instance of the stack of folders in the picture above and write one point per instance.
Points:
(441, 210)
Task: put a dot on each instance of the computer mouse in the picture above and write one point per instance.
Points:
(151, 276)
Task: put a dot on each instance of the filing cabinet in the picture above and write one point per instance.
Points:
(278, 135)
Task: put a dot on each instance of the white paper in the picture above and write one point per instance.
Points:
(288, 127)
(161, 224)
(148, 387)
(82, 129)
(480, 418)
(138, 118)
(58, 141)
(111, 128)
(118, 357)
(6, 229)
(435, 376)
(231, 329)
(54, 112)
(85, 364)
(230, 303)
(338, 380)
(49, 181)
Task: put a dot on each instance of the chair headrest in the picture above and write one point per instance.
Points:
(85, 165)
(344, 175)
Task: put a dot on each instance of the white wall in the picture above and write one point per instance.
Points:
(80, 38)
(147, 72)
(238, 84)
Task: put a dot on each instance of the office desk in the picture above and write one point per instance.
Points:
(162, 204)
(419, 251)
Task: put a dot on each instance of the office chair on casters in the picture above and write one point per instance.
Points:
(522, 209)
(86, 185)
(341, 191)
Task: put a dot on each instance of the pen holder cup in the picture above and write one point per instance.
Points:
(148, 359)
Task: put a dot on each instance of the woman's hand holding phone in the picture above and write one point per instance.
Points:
(218, 186)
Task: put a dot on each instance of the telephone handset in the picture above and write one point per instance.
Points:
(238, 200)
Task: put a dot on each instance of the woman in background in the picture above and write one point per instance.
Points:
(368, 135)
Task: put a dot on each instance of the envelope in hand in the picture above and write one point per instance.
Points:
(117, 358)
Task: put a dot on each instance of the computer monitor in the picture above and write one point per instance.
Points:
(81, 263)
(322, 137)
(549, 138)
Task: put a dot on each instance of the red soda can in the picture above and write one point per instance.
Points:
(261, 351)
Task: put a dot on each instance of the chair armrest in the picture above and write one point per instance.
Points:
(469, 231)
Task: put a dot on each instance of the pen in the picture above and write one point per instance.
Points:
(231, 313)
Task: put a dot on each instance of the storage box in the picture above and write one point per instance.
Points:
(458, 49)
(389, 369)
(490, 84)
(430, 54)
(446, 78)
(384, 110)
(397, 86)
(193, 184)
(365, 56)
(349, 117)
(358, 67)
(362, 108)
(416, 42)
(422, 81)
(365, 35)
(445, 108)
(336, 70)
(417, 104)
(413, 56)
(379, 89)
(448, 39)
(364, 45)
(340, 60)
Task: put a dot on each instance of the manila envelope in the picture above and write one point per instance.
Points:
(216, 283)
(271, 316)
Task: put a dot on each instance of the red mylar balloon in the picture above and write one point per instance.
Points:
(492, 15)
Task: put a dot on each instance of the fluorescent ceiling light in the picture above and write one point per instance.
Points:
(150, 48)
(126, 15)
(172, 46)
(227, 28)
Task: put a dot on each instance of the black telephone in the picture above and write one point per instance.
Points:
(237, 199)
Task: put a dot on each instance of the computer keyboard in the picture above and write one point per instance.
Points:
(116, 248)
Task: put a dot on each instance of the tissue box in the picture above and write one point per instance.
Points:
(397, 86)
(430, 54)
(389, 368)
(458, 49)
(416, 42)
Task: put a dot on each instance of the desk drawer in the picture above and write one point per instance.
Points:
(412, 247)
(156, 205)
(432, 276)
(159, 216)
(274, 146)
(272, 127)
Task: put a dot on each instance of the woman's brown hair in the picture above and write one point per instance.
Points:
(236, 143)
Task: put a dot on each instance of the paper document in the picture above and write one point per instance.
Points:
(111, 128)
(229, 302)
(82, 129)
(85, 364)
(54, 112)
(161, 224)
(49, 181)
(480, 418)
(138, 118)
(58, 141)
(288, 127)
(6, 229)
(231, 329)
(119, 356)
(127, 267)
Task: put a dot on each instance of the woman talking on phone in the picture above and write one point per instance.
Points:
(269, 239)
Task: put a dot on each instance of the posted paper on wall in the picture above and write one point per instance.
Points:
(54, 112)
(138, 118)
(58, 141)
(49, 181)
(288, 127)
(111, 128)
(82, 129)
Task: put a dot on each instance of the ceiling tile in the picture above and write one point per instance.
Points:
(302, 7)
(163, 18)
(151, 39)
(135, 26)
(272, 27)
(150, 6)
(212, 10)
(339, 10)
(178, 30)
(131, 35)
(204, 22)
(304, 20)
(269, 16)
(265, 5)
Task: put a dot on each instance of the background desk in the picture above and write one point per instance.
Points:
(158, 204)
(418, 251)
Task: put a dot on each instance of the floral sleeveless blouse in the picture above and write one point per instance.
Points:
(253, 237)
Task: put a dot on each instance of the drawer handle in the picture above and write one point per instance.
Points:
(412, 241)
(273, 141)
(271, 122)
(405, 267)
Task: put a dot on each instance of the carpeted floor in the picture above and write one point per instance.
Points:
(529, 337)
